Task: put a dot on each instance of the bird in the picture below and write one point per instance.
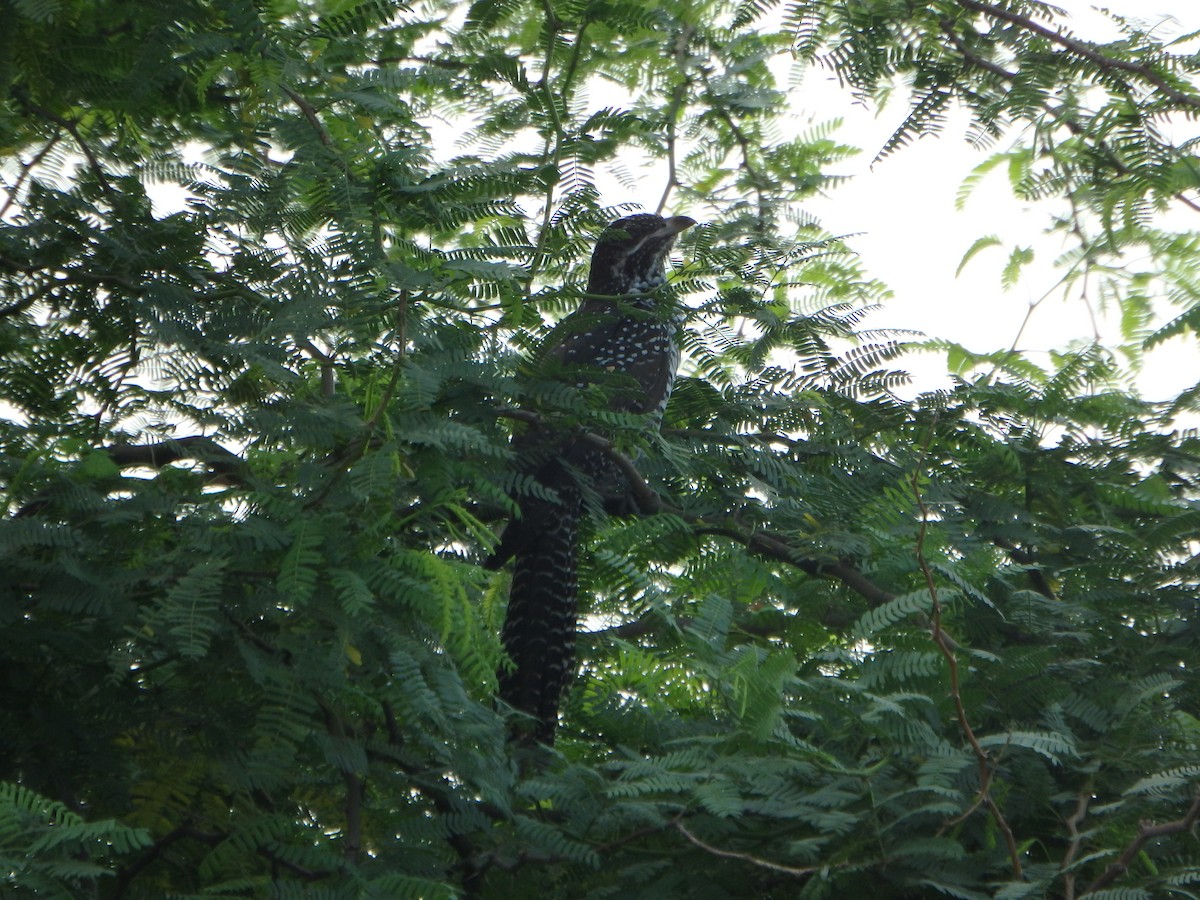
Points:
(622, 337)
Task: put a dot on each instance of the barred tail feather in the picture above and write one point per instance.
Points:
(539, 627)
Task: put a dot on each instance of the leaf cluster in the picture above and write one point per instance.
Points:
(268, 327)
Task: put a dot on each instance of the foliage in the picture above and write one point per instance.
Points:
(255, 446)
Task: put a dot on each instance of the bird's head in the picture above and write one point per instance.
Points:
(631, 254)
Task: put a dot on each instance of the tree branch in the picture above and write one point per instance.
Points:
(310, 113)
(970, 56)
(26, 169)
(198, 447)
(757, 179)
(1146, 832)
(763, 542)
(1037, 578)
(471, 862)
(72, 128)
(941, 640)
(1072, 822)
(1084, 50)
(745, 857)
(126, 874)
(1075, 46)
(678, 95)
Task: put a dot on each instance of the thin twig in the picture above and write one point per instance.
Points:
(26, 170)
(757, 179)
(552, 145)
(678, 95)
(940, 639)
(746, 857)
(72, 128)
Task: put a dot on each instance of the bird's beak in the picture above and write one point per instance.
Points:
(675, 225)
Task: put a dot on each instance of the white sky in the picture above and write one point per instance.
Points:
(910, 236)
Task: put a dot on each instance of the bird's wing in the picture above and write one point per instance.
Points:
(603, 338)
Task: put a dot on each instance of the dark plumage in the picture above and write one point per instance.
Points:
(621, 328)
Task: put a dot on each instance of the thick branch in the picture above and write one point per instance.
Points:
(198, 447)
(1072, 822)
(230, 467)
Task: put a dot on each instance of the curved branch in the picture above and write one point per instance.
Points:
(745, 857)
(1146, 832)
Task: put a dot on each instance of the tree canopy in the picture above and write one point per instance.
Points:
(861, 640)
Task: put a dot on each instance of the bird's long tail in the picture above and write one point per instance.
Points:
(539, 627)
